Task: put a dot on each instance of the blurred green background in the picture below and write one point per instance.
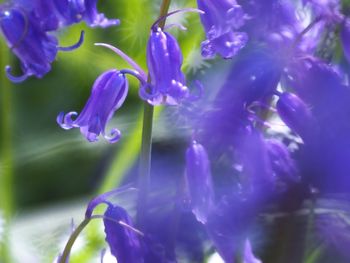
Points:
(47, 175)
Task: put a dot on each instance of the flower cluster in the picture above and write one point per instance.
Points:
(238, 166)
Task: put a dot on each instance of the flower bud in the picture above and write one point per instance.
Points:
(294, 112)
(164, 60)
(199, 181)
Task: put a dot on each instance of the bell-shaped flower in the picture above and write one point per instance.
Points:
(221, 19)
(108, 94)
(122, 238)
(73, 11)
(228, 227)
(199, 181)
(164, 61)
(324, 157)
(35, 48)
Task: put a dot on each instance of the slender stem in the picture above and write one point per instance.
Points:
(6, 162)
(65, 255)
(146, 144)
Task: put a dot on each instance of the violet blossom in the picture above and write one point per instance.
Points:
(164, 61)
(107, 95)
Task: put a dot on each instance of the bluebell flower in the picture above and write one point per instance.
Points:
(221, 20)
(324, 156)
(122, 238)
(164, 61)
(107, 95)
(252, 78)
(229, 224)
(199, 181)
(35, 48)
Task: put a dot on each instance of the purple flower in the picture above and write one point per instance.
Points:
(253, 78)
(164, 60)
(228, 226)
(73, 11)
(221, 20)
(324, 157)
(121, 237)
(108, 94)
(199, 181)
(33, 47)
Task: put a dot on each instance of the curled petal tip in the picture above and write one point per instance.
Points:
(65, 121)
(76, 45)
(13, 78)
(114, 136)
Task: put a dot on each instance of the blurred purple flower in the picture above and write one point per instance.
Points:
(221, 20)
(35, 48)
(228, 226)
(121, 237)
(252, 78)
(324, 157)
(107, 95)
(199, 181)
(164, 60)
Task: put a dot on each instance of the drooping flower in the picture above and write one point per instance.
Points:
(323, 158)
(122, 239)
(164, 61)
(253, 78)
(199, 181)
(229, 224)
(35, 48)
(108, 94)
(221, 20)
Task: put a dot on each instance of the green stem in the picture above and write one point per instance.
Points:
(146, 144)
(6, 162)
(65, 256)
